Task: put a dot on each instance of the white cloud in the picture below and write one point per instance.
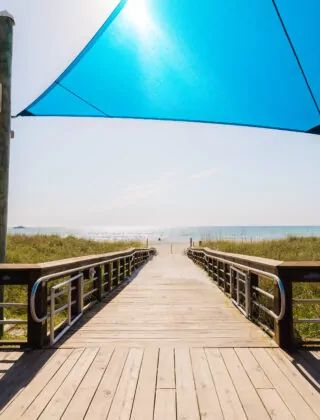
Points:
(138, 192)
(204, 174)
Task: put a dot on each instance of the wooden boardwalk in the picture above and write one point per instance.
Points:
(168, 346)
(170, 303)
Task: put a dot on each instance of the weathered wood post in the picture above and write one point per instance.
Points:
(284, 332)
(253, 280)
(98, 283)
(37, 331)
(110, 276)
(6, 32)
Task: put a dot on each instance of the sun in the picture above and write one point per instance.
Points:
(137, 13)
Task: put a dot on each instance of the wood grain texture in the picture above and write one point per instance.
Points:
(171, 303)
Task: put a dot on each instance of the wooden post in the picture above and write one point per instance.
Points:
(98, 282)
(76, 295)
(224, 275)
(130, 265)
(284, 333)
(253, 280)
(190, 242)
(118, 272)
(37, 332)
(6, 32)
(124, 276)
(110, 276)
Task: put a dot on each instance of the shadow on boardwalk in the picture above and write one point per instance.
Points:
(18, 369)
(25, 385)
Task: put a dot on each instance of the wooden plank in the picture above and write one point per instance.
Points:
(311, 360)
(187, 406)
(291, 397)
(7, 360)
(228, 397)
(123, 399)
(248, 396)
(165, 405)
(26, 397)
(166, 377)
(156, 335)
(187, 342)
(274, 404)
(20, 375)
(40, 402)
(143, 405)
(60, 400)
(175, 304)
(253, 369)
(312, 375)
(309, 393)
(85, 392)
(101, 402)
(209, 405)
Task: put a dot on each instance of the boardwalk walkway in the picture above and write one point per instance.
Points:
(168, 346)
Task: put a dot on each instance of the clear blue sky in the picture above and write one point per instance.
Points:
(91, 172)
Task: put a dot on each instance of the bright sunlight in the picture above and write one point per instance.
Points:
(137, 13)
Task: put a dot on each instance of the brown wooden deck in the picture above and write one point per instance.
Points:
(168, 346)
(170, 303)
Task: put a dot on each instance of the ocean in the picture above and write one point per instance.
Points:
(175, 234)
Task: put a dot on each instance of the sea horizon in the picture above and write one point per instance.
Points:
(173, 234)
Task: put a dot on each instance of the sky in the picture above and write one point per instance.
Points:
(110, 172)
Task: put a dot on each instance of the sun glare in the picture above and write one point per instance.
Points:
(137, 13)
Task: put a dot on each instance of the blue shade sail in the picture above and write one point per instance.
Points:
(243, 62)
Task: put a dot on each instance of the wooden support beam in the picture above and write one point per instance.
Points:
(6, 34)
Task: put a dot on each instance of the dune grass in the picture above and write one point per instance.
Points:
(290, 249)
(44, 248)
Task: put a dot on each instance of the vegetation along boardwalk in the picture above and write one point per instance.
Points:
(170, 345)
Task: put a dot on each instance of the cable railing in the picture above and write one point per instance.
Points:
(60, 292)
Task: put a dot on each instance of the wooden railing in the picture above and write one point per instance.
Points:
(61, 291)
(264, 291)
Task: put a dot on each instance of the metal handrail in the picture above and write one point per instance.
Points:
(255, 271)
(66, 273)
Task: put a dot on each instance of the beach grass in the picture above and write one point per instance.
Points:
(45, 248)
(289, 249)
(27, 249)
